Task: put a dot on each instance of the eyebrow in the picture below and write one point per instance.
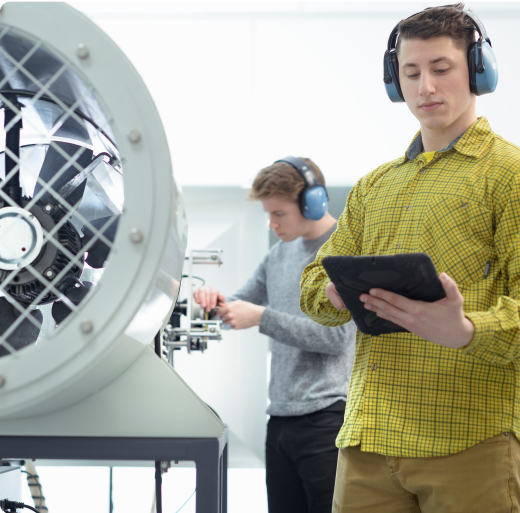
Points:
(434, 61)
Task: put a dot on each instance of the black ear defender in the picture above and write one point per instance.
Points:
(314, 198)
(483, 69)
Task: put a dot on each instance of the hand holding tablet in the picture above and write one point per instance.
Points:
(412, 275)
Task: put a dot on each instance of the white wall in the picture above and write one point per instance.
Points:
(240, 84)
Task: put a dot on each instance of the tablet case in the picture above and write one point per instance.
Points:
(412, 275)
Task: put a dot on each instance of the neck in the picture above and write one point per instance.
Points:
(318, 228)
(437, 139)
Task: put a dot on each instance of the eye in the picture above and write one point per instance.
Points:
(412, 77)
(441, 71)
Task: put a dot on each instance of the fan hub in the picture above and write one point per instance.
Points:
(21, 238)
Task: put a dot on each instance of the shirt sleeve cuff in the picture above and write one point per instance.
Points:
(481, 335)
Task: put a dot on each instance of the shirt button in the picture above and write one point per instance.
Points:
(408, 207)
(464, 205)
(373, 366)
(422, 171)
(398, 245)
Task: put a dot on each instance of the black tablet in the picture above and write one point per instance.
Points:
(412, 275)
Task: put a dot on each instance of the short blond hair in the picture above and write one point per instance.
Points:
(281, 179)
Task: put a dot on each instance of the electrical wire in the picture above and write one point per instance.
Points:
(9, 506)
(196, 277)
(187, 500)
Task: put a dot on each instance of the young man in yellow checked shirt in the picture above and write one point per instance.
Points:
(433, 415)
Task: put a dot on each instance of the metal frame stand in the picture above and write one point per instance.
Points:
(209, 454)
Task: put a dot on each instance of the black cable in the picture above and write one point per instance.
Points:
(196, 277)
(12, 506)
(158, 486)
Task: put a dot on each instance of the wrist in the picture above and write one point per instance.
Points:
(259, 312)
(468, 332)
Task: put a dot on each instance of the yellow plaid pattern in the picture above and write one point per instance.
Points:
(409, 397)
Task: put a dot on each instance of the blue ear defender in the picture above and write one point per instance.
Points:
(314, 198)
(483, 69)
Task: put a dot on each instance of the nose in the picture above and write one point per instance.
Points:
(426, 84)
(271, 223)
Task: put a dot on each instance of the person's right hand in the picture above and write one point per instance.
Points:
(333, 296)
(209, 297)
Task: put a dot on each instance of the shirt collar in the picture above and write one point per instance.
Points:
(473, 142)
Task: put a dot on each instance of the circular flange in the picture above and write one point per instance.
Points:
(21, 238)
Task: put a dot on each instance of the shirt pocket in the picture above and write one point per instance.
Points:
(458, 235)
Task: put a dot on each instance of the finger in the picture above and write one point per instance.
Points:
(401, 320)
(389, 311)
(221, 299)
(392, 298)
(450, 287)
(334, 297)
(223, 311)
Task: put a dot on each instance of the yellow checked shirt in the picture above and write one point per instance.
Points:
(409, 397)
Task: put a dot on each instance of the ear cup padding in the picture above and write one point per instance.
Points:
(314, 203)
(391, 77)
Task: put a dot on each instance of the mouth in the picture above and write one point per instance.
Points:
(430, 106)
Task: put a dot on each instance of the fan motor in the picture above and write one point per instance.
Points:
(27, 285)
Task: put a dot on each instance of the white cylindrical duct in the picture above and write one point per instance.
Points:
(80, 99)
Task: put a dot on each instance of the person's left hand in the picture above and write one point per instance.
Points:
(442, 322)
(241, 314)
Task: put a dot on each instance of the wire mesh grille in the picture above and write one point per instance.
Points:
(61, 190)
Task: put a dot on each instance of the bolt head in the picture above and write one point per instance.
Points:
(49, 274)
(136, 236)
(86, 327)
(47, 208)
(83, 51)
(134, 136)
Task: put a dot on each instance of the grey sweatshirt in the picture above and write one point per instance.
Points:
(310, 363)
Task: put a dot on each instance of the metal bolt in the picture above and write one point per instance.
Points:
(31, 216)
(136, 236)
(77, 285)
(134, 136)
(49, 273)
(214, 257)
(83, 51)
(86, 327)
(212, 330)
(47, 208)
(2, 381)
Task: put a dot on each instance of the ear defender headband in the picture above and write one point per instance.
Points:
(314, 198)
(483, 70)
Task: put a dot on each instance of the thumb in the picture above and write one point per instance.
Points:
(450, 286)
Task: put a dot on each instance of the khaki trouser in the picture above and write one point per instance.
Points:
(481, 479)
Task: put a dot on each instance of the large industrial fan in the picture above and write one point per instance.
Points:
(92, 239)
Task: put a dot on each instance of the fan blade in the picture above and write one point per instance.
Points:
(26, 332)
(54, 161)
(60, 311)
(98, 252)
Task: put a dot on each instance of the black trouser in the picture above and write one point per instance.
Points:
(300, 460)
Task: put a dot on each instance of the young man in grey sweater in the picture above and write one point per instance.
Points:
(310, 364)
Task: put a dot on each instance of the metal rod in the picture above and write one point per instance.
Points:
(158, 486)
(111, 486)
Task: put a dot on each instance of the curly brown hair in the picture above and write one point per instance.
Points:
(447, 20)
(281, 179)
